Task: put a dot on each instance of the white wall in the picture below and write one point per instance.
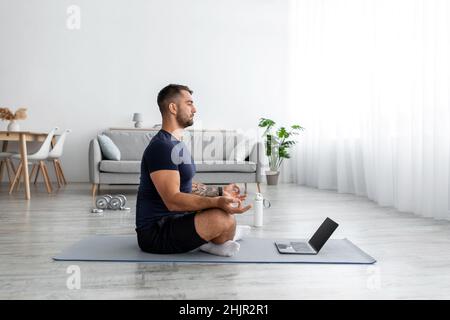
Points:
(232, 53)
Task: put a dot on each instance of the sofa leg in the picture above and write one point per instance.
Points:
(259, 187)
(94, 189)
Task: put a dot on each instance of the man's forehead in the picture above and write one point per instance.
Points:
(186, 95)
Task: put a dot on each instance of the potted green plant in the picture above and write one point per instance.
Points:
(277, 144)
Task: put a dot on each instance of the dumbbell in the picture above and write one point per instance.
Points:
(116, 202)
(103, 202)
(124, 202)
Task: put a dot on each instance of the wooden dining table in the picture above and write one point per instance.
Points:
(22, 137)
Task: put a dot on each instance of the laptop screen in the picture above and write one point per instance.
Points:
(323, 234)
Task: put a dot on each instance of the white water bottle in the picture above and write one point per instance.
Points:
(259, 206)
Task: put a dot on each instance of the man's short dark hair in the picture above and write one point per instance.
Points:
(167, 95)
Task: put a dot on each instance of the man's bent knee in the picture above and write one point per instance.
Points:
(210, 224)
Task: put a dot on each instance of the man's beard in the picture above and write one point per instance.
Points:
(184, 123)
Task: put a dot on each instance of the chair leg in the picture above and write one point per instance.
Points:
(2, 162)
(60, 174)
(45, 175)
(94, 189)
(11, 171)
(20, 179)
(32, 171)
(245, 188)
(37, 173)
(16, 177)
(259, 187)
(61, 171)
(12, 165)
(58, 177)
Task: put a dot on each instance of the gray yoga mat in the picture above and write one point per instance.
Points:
(124, 248)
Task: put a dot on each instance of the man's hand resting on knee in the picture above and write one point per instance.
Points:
(232, 190)
(231, 205)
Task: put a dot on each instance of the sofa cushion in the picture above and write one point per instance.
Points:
(109, 149)
(225, 166)
(206, 145)
(243, 147)
(123, 166)
(213, 145)
(131, 143)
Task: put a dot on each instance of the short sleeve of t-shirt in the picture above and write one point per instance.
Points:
(159, 157)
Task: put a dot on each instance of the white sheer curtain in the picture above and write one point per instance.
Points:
(370, 82)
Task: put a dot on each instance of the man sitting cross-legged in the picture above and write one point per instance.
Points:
(174, 215)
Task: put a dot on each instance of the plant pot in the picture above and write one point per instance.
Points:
(13, 126)
(272, 177)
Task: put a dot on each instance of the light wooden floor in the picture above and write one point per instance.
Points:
(413, 253)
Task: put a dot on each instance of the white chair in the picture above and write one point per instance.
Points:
(5, 161)
(54, 156)
(39, 160)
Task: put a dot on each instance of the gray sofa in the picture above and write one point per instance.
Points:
(220, 156)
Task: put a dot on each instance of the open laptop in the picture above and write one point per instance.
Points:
(314, 244)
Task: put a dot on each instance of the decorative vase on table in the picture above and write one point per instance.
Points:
(13, 126)
(7, 115)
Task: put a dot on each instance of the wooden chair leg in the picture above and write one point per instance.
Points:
(16, 177)
(20, 179)
(32, 171)
(259, 187)
(2, 163)
(11, 171)
(46, 177)
(37, 173)
(57, 175)
(94, 190)
(61, 171)
(12, 165)
(61, 176)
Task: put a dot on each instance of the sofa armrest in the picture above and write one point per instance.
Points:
(257, 156)
(95, 156)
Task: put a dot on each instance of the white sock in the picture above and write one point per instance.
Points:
(241, 232)
(226, 249)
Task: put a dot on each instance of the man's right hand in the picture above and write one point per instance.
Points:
(231, 205)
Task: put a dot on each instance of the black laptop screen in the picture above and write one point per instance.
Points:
(323, 234)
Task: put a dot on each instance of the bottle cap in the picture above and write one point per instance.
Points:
(259, 196)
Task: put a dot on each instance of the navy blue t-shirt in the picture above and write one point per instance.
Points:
(164, 152)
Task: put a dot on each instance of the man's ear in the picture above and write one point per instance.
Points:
(173, 108)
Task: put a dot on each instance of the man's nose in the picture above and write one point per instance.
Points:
(194, 110)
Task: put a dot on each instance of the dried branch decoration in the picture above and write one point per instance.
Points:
(6, 114)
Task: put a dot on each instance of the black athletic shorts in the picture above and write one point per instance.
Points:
(171, 234)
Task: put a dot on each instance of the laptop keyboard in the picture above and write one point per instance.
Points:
(300, 246)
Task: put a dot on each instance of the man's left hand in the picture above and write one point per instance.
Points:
(232, 190)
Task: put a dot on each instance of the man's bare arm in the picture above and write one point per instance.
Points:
(167, 183)
(203, 190)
